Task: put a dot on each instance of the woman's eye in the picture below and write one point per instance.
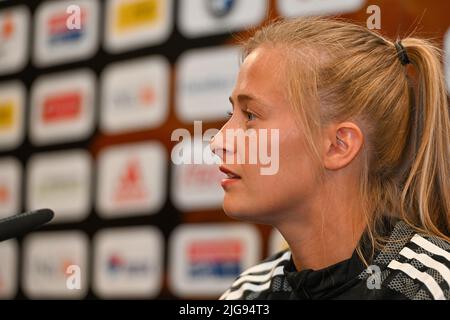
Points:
(250, 116)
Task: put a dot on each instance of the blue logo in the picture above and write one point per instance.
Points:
(221, 269)
(220, 8)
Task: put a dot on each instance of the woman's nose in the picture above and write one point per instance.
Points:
(218, 146)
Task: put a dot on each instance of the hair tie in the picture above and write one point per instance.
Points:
(401, 53)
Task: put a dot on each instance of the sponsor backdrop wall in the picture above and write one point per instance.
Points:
(86, 117)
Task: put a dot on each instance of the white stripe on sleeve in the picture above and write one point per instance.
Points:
(431, 247)
(428, 262)
(423, 277)
(259, 278)
(267, 266)
(247, 286)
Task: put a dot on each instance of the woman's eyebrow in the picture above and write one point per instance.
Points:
(246, 97)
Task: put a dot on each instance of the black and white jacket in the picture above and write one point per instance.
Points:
(410, 266)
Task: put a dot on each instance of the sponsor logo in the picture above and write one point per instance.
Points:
(198, 18)
(57, 40)
(215, 258)
(292, 8)
(57, 186)
(63, 107)
(118, 265)
(206, 258)
(137, 23)
(130, 186)
(51, 268)
(196, 186)
(58, 31)
(135, 95)
(13, 39)
(8, 27)
(144, 96)
(124, 265)
(10, 181)
(220, 8)
(12, 105)
(6, 115)
(137, 14)
(131, 179)
(49, 258)
(206, 77)
(61, 181)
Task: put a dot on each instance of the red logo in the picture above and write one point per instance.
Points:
(130, 186)
(147, 95)
(7, 28)
(62, 107)
(215, 250)
(4, 194)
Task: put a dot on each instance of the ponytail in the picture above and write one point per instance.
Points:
(425, 197)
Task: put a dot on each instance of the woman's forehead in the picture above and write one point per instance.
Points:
(263, 59)
(261, 73)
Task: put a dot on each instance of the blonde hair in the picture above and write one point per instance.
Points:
(339, 71)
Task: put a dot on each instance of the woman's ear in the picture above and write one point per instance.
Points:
(342, 143)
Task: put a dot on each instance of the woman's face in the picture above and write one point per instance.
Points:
(259, 101)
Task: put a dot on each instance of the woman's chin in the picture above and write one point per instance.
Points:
(234, 209)
(238, 211)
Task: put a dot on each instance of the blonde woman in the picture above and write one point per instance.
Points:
(362, 192)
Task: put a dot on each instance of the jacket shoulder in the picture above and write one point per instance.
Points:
(257, 279)
(421, 269)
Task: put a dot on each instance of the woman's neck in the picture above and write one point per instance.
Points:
(325, 233)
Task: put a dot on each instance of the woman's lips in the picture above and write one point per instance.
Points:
(230, 179)
(229, 173)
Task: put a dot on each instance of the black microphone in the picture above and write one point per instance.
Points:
(22, 223)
